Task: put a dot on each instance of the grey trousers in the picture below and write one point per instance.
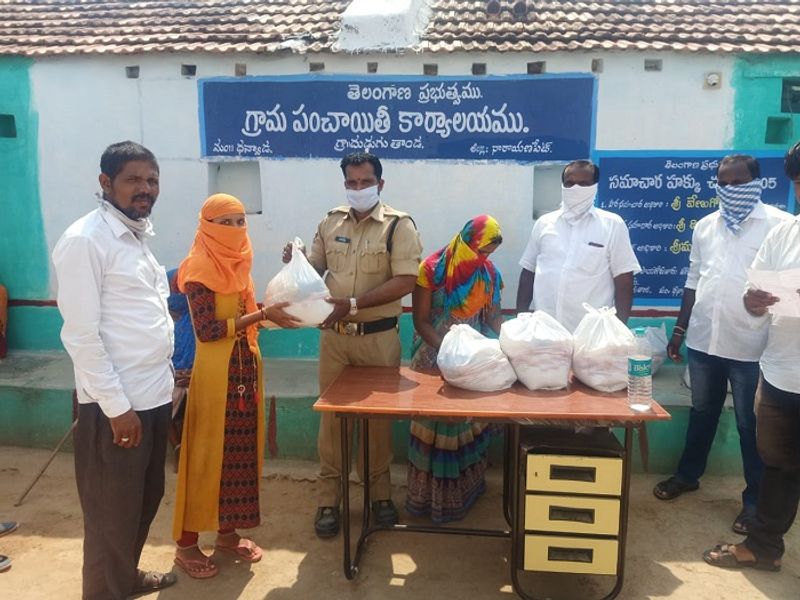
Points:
(120, 490)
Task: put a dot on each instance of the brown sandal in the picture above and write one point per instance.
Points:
(723, 556)
(197, 568)
(246, 550)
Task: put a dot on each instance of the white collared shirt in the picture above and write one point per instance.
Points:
(719, 324)
(577, 262)
(112, 294)
(780, 360)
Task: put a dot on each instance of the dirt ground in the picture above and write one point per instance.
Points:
(663, 559)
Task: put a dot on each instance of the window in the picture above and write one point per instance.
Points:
(546, 189)
(537, 67)
(372, 67)
(779, 130)
(653, 64)
(316, 66)
(597, 65)
(132, 72)
(188, 70)
(430, 69)
(790, 98)
(479, 68)
(8, 126)
(241, 179)
(240, 70)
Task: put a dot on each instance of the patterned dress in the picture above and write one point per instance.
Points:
(446, 461)
(239, 506)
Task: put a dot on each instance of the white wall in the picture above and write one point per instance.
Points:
(86, 103)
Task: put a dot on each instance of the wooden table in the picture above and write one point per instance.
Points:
(364, 393)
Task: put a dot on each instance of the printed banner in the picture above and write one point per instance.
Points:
(527, 119)
(661, 199)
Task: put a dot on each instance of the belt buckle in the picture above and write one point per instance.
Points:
(347, 328)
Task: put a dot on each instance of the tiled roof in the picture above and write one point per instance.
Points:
(552, 25)
(51, 27)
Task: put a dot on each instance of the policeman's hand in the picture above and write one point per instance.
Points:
(756, 302)
(674, 348)
(280, 317)
(127, 429)
(341, 308)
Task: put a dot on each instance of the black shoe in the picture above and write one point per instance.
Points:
(672, 488)
(326, 523)
(385, 513)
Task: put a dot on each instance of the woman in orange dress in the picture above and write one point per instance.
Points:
(223, 429)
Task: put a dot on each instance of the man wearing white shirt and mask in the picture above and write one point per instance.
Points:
(777, 406)
(112, 294)
(722, 347)
(370, 255)
(577, 254)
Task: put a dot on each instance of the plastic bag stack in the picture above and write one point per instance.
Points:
(299, 284)
(540, 350)
(602, 346)
(471, 361)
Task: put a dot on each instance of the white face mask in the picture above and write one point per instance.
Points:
(578, 199)
(362, 200)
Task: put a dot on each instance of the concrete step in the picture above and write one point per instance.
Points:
(36, 410)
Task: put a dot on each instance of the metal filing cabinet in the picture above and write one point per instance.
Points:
(570, 500)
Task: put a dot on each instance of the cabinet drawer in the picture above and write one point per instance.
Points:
(561, 554)
(572, 514)
(574, 474)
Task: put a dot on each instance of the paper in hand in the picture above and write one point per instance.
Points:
(781, 284)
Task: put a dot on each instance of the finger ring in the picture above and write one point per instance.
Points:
(125, 439)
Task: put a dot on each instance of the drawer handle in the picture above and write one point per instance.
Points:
(588, 474)
(581, 555)
(576, 515)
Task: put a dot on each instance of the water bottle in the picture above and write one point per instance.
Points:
(640, 373)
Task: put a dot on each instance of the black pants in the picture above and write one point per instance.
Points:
(120, 490)
(778, 433)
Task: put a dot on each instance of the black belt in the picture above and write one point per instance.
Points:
(347, 328)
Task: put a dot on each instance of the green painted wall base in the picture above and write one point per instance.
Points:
(34, 418)
(34, 328)
(38, 418)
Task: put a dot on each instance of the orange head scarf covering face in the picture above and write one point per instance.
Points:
(221, 256)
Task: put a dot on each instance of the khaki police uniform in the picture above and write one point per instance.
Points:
(357, 260)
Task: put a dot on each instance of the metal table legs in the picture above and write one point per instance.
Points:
(351, 565)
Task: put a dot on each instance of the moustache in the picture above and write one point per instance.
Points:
(147, 197)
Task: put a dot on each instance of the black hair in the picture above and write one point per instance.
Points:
(116, 155)
(750, 162)
(582, 163)
(359, 158)
(791, 162)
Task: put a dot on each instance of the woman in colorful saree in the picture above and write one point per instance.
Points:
(457, 284)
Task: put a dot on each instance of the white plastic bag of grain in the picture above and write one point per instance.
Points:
(657, 338)
(299, 284)
(602, 345)
(471, 361)
(539, 348)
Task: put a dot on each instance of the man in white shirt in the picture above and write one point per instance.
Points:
(722, 347)
(578, 254)
(112, 294)
(778, 405)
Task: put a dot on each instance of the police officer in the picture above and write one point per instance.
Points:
(371, 253)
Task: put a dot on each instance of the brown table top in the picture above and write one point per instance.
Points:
(402, 393)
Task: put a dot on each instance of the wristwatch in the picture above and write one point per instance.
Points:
(353, 307)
